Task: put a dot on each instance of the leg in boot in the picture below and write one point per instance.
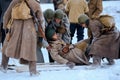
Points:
(110, 61)
(32, 68)
(4, 63)
(96, 61)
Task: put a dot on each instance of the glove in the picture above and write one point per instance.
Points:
(70, 64)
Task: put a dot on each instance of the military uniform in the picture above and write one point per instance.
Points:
(95, 9)
(61, 28)
(23, 41)
(74, 8)
(104, 44)
(64, 53)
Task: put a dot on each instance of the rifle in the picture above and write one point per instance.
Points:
(37, 22)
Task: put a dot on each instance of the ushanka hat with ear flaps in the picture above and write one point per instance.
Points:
(83, 18)
(49, 32)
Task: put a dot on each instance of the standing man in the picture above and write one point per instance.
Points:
(3, 6)
(74, 8)
(22, 42)
(59, 4)
(95, 9)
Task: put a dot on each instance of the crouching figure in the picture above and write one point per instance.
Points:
(106, 38)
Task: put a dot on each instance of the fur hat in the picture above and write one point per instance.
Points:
(83, 18)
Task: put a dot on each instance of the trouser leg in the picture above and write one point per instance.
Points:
(32, 68)
(40, 58)
(72, 30)
(50, 58)
(110, 61)
(80, 32)
(4, 62)
(96, 60)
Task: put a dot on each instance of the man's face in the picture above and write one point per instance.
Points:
(57, 20)
(83, 25)
(48, 20)
(55, 37)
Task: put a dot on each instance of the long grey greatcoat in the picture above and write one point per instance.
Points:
(74, 55)
(104, 45)
(22, 43)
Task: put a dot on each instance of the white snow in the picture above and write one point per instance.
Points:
(79, 72)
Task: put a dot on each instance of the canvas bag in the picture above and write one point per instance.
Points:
(21, 11)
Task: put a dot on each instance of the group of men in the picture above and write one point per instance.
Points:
(58, 28)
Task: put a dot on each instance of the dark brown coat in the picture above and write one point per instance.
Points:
(22, 43)
(104, 45)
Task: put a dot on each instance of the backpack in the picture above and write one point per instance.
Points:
(21, 11)
(108, 22)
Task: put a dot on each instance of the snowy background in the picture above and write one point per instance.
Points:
(79, 72)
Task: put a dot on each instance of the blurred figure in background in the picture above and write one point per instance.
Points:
(59, 4)
(3, 6)
(74, 8)
(95, 9)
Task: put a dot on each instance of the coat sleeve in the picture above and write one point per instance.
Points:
(95, 28)
(55, 55)
(99, 8)
(86, 9)
(40, 17)
(67, 7)
(35, 6)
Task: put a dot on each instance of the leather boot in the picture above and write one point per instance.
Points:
(4, 63)
(32, 68)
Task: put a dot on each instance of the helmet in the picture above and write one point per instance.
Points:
(48, 14)
(59, 14)
(83, 18)
(49, 32)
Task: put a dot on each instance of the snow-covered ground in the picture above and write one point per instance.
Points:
(77, 73)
